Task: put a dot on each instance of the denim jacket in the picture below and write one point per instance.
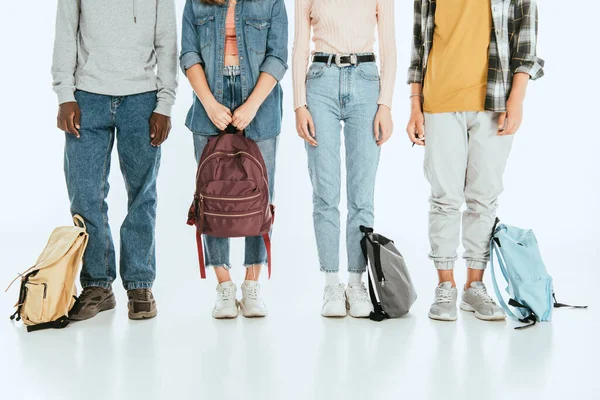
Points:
(262, 37)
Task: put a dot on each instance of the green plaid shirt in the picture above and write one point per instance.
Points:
(512, 46)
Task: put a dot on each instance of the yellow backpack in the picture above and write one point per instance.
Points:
(48, 290)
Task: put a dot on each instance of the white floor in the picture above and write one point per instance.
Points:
(296, 354)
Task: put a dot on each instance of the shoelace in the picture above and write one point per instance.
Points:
(358, 293)
(443, 295)
(483, 295)
(251, 292)
(226, 294)
(334, 293)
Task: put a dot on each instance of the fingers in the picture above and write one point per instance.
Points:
(77, 119)
(416, 133)
(156, 134)
(240, 122)
(377, 128)
(385, 136)
(502, 124)
(311, 128)
(305, 132)
(222, 120)
(71, 125)
(153, 129)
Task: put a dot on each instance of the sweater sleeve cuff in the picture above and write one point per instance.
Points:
(274, 67)
(65, 95)
(164, 108)
(188, 60)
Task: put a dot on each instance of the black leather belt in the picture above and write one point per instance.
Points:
(344, 60)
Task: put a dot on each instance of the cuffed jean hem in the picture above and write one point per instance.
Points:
(326, 270)
(102, 284)
(476, 264)
(444, 265)
(138, 285)
(359, 270)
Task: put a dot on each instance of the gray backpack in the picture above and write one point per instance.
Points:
(391, 289)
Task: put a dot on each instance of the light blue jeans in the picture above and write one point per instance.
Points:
(216, 250)
(350, 95)
(105, 119)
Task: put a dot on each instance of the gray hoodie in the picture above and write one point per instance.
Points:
(116, 48)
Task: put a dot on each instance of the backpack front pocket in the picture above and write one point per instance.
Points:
(236, 197)
(34, 307)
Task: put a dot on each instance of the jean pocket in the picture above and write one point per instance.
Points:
(257, 32)
(315, 71)
(368, 71)
(204, 28)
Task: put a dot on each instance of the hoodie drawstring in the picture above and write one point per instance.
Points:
(134, 12)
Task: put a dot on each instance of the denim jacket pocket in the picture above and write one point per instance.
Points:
(257, 32)
(368, 71)
(204, 28)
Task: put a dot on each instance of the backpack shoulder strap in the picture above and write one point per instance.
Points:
(60, 323)
(494, 250)
(267, 240)
(200, 254)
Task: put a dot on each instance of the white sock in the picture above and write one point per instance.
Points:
(332, 278)
(355, 278)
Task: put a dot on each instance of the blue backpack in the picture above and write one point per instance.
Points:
(529, 284)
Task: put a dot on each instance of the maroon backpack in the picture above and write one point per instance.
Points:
(232, 193)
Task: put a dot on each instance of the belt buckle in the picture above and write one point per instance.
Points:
(340, 64)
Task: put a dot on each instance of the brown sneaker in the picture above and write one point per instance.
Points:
(92, 301)
(141, 304)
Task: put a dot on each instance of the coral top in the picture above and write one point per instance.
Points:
(230, 40)
(341, 27)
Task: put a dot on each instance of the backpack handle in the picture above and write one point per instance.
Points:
(78, 220)
(232, 130)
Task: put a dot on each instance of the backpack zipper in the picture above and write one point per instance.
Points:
(233, 155)
(202, 196)
(45, 289)
(232, 215)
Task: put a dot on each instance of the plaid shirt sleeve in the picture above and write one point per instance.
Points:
(523, 41)
(415, 72)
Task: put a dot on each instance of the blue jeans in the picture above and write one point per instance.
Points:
(350, 95)
(87, 165)
(216, 250)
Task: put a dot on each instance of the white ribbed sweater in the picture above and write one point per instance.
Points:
(344, 26)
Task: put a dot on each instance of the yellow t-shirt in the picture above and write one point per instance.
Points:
(456, 77)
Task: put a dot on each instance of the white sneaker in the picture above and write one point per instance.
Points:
(226, 305)
(252, 304)
(334, 301)
(358, 301)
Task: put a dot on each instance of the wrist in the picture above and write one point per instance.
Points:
(515, 99)
(252, 103)
(209, 101)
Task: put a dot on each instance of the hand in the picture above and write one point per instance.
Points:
(219, 115)
(244, 115)
(160, 126)
(384, 126)
(510, 121)
(416, 127)
(69, 118)
(305, 126)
